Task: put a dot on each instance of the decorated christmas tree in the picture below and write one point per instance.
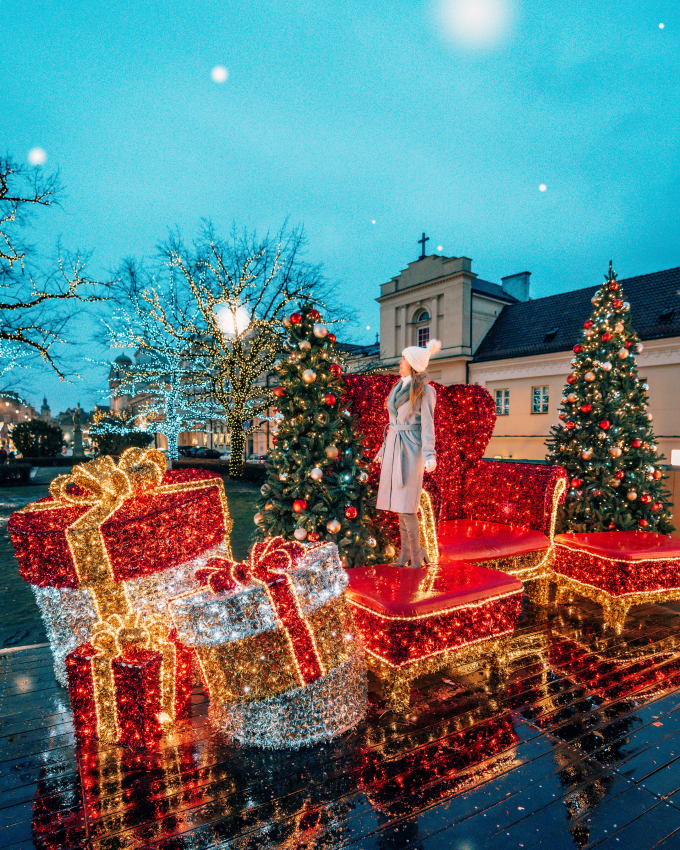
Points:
(606, 442)
(318, 485)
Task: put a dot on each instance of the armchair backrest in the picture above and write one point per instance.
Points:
(465, 415)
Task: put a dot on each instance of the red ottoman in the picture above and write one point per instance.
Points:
(617, 569)
(414, 622)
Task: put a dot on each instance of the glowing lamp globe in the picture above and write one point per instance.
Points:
(299, 505)
(230, 321)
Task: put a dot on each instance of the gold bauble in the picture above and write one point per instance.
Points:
(309, 376)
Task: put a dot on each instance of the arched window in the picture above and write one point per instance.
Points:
(422, 324)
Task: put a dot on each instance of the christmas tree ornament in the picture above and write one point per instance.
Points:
(606, 336)
(299, 505)
(350, 512)
(606, 366)
(283, 476)
(332, 338)
(616, 303)
(657, 506)
(645, 386)
(588, 324)
(590, 376)
(309, 376)
(586, 408)
(296, 318)
(258, 518)
(571, 398)
(300, 533)
(658, 475)
(314, 314)
(264, 489)
(286, 322)
(605, 424)
(613, 285)
(618, 327)
(316, 474)
(571, 379)
(570, 425)
(636, 443)
(626, 306)
(623, 353)
(336, 369)
(363, 477)
(332, 452)
(313, 536)
(578, 348)
(615, 482)
(631, 495)
(639, 348)
(390, 551)
(628, 344)
(619, 474)
(587, 454)
(372, 542)
(645, 498)
(329, 399)
(304, 345)
(643, 523)
(333, 526)
(576, 483)
(320, 330)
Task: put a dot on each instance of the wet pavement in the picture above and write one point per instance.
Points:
(581, 749)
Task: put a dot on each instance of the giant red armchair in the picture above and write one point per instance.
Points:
(497, 514)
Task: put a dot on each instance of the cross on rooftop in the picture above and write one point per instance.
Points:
(422, 242)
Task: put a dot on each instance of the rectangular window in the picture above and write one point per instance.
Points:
(540, 397)
(502, 402)
(423, 337)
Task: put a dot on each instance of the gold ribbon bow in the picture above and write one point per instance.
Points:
(104, 485)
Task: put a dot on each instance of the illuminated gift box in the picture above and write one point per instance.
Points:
(617, 569)
(129, 682)
(414, 622)
(116, 538)
(276, 644)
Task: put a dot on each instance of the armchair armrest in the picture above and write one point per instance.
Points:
(525, 494)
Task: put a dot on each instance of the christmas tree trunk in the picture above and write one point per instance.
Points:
(317, 486)
(606, 442)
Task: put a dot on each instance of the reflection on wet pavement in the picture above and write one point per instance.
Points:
(581, 749)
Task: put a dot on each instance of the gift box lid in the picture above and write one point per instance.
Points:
(209, 618)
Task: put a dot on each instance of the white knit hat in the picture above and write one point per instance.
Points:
(418, 358)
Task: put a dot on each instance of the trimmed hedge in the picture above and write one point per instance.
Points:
(252, 472)
(15, 473)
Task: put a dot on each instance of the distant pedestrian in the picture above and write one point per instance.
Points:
(3, 455)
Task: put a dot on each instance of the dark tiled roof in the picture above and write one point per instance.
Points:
(361, 350)
(521, 329)
(495, 290)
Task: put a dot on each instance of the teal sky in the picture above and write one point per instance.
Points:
(436, 115)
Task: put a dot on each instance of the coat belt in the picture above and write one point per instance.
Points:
(405, 427)
(398, 457)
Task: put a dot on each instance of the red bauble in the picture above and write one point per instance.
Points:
(619, 474)
(331, 337)
(628, 343)
(571, 379)
(586, 408)
(299, 505)
(612, 526)
(658, 474)
(313, 314)
(576, 483)
(336, 369)
(351, 512)
(313, 536)
(275, 439)
(636, 443)
(645, 498)
(656, 507)
(279, 392)
(588, 323)
(613, 285)
(617, 302)
(578, 348)
(296, 318)
(605, 424)
(606, 336)
(570, 425)
(643, 523)
(329, 399)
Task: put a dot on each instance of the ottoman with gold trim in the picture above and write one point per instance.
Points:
(617, 569)
(414, 622)
(276, 644)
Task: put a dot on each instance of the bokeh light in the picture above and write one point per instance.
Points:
(474, 23)
(230, 321)
(542, 187)
(219, 74)
(37, 156)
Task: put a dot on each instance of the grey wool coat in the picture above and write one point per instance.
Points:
(408, 445)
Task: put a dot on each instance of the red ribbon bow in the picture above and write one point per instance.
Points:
(269, 564)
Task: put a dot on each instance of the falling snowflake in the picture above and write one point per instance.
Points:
(219, 74)
(37, 156)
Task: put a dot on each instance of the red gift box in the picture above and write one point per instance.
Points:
(128, 683)
(119, 522)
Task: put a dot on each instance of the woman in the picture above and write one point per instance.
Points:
(408, 449)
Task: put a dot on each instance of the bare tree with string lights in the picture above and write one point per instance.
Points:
(167, 371)
(239, 291)
(36, 305)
